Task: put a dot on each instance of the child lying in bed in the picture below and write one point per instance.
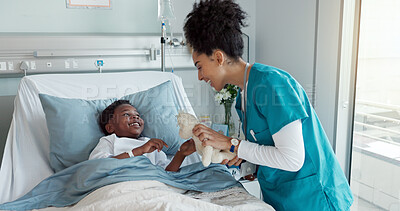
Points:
(123, 126)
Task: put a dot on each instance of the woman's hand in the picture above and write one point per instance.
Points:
(187, 148)
(210, 137)
(235, 161)
(150, 146)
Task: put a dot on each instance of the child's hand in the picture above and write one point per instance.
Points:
(152, 145)
(187, 148)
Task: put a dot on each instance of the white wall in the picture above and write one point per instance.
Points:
(48, 16)
(201, 95)
(327, 66)
(302, 38)
(285, 32)
(183, 7)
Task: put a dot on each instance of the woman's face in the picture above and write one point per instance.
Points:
(209, 70)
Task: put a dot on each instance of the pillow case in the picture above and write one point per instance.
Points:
(74, 130)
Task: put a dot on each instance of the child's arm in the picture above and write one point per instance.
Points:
(186, 149)
(136, 152)
(150, 146)
(103, 149)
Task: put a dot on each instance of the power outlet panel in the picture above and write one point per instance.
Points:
(11, 66)
(3, 66)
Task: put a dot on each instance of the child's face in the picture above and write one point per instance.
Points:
(126, 122)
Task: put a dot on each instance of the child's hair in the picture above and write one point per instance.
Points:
(108, 113)
(216, 24)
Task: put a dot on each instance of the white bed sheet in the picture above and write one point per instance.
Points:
(26, 154)
(154, 195)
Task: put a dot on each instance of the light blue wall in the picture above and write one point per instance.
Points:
(9, 86)
(50, 16)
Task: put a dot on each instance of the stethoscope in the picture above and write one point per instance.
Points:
(244, 104)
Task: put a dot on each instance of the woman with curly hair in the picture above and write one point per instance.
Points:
(298, 169)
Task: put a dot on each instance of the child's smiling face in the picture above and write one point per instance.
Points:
(126, 122)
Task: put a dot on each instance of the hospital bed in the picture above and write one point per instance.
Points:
(28, 154)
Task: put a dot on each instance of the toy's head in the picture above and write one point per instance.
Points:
(186, 123)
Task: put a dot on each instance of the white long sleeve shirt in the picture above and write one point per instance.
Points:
(287, 154)
(113, 145)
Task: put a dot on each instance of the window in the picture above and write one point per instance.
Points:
(375, 163)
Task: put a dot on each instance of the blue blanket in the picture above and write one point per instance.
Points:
(70, 185)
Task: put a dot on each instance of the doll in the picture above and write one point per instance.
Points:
(186, 122)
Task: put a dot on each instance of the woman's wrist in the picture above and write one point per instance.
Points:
(228, 143)
(237, 146)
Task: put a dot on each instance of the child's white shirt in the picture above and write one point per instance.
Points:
(113, 145)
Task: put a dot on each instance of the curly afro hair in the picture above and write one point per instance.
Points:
(108, 114)
(216, 24)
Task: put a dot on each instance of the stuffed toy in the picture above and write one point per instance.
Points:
(186, 123)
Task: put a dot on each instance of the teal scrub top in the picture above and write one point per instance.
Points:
(275, 99)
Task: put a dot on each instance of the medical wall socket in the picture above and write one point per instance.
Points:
(33, 65)
(67, 64)
(24, 66)
(99, 63)
(175, 41)
(10, 65)
(75, 64)
(3, 66)
(71, 63)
